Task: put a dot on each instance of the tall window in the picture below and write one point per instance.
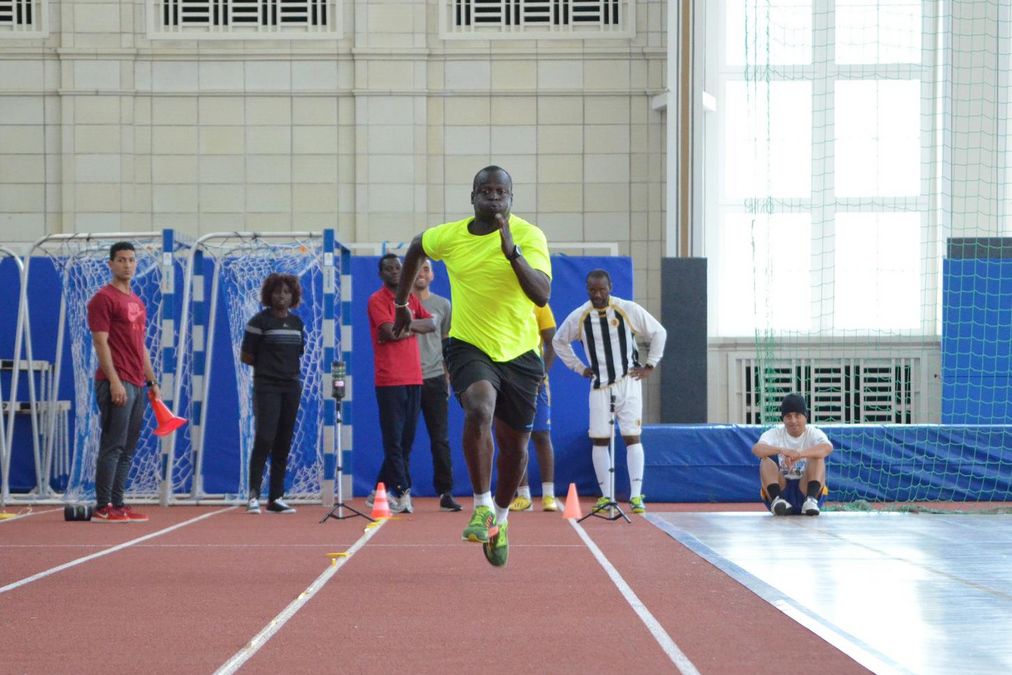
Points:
(822, 175)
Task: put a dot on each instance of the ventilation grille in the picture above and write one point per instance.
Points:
(538, 18)
(245, 19)
(21, 16)
(844, 390)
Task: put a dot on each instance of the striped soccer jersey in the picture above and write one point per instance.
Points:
(608, 337)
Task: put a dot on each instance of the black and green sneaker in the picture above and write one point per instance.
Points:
(481, 522)
(497, 548)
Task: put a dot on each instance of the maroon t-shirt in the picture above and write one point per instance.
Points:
(397, 362)
(124, 318)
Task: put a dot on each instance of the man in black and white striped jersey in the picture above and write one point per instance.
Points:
(608, 327)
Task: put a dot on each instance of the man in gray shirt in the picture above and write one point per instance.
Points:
(435, 388)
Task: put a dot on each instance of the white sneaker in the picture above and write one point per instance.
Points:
(400, 504)
(371, 499)
(253, 505)
(810, 507)
(780, 507)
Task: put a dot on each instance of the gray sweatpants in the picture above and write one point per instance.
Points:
(121, 427)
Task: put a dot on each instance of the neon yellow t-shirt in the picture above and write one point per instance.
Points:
(490, 310)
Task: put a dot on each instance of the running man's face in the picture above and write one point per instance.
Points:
(599, 291)
(795, 423)
(281, 297)
(493, 194)
(124, 265)
(424, 277)
(390, 272)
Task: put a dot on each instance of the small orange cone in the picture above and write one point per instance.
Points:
(167, 422)
(380, 505)
(572, 509)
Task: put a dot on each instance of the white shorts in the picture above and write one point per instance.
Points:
(628, 409)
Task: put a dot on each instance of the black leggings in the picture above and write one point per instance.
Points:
(276, 406)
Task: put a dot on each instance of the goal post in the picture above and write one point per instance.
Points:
(7, 426)
(80, 261)
(227, 269)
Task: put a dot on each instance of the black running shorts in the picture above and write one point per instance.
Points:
(516, 382)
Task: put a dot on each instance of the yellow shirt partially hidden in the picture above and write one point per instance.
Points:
(490, 310)
(544, 317)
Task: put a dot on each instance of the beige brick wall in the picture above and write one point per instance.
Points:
(378, 133)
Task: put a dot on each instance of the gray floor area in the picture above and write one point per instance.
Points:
(916, 593)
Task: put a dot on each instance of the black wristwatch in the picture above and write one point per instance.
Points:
(151, 383)
(516, 253)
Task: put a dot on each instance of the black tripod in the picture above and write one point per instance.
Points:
(337, 373)
(609, 510)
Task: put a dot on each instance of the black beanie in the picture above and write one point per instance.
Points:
(793, 403)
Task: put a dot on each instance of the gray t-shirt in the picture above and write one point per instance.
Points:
(431, 344)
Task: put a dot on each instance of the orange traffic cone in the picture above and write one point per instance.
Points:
(167, 422)
(380, 505)
(572, 509)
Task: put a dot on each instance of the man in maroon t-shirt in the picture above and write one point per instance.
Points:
(117, 319)
(398, 379)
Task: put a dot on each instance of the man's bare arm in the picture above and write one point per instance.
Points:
(409, 270)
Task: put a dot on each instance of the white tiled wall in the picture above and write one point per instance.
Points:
(378, 133)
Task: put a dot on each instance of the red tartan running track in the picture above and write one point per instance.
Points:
(411, 597)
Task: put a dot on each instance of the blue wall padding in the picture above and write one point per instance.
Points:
(714, 463)
(221, 424)
(977, 341)
(569, 391)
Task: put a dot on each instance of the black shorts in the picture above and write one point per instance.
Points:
(516, 382)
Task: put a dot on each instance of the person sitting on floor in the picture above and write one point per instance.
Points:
(790, 453)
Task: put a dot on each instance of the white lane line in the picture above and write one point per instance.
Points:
(278, 622)
(676, 655)
(99, 554)
(26, 514)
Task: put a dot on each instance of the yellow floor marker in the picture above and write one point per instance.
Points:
(334, 557)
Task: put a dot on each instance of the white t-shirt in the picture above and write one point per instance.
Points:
(779, 438)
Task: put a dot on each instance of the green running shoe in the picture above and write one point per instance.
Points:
(497, 548)
(602, 504)
(638, 506)
(481, 526)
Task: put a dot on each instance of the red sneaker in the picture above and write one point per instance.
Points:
(133, 516)
(109, 514)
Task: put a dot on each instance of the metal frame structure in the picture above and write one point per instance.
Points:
(204, 310)
(7, 429)
(166, 323)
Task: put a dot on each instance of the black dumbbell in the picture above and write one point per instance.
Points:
(77, 512)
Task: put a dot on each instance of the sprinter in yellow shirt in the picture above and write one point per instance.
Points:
(499, 268)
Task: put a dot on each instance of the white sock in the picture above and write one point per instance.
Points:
(483, 499)
(547, 490)
(602, 469)
(501, 513)
(634, 458)
(524, 491)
